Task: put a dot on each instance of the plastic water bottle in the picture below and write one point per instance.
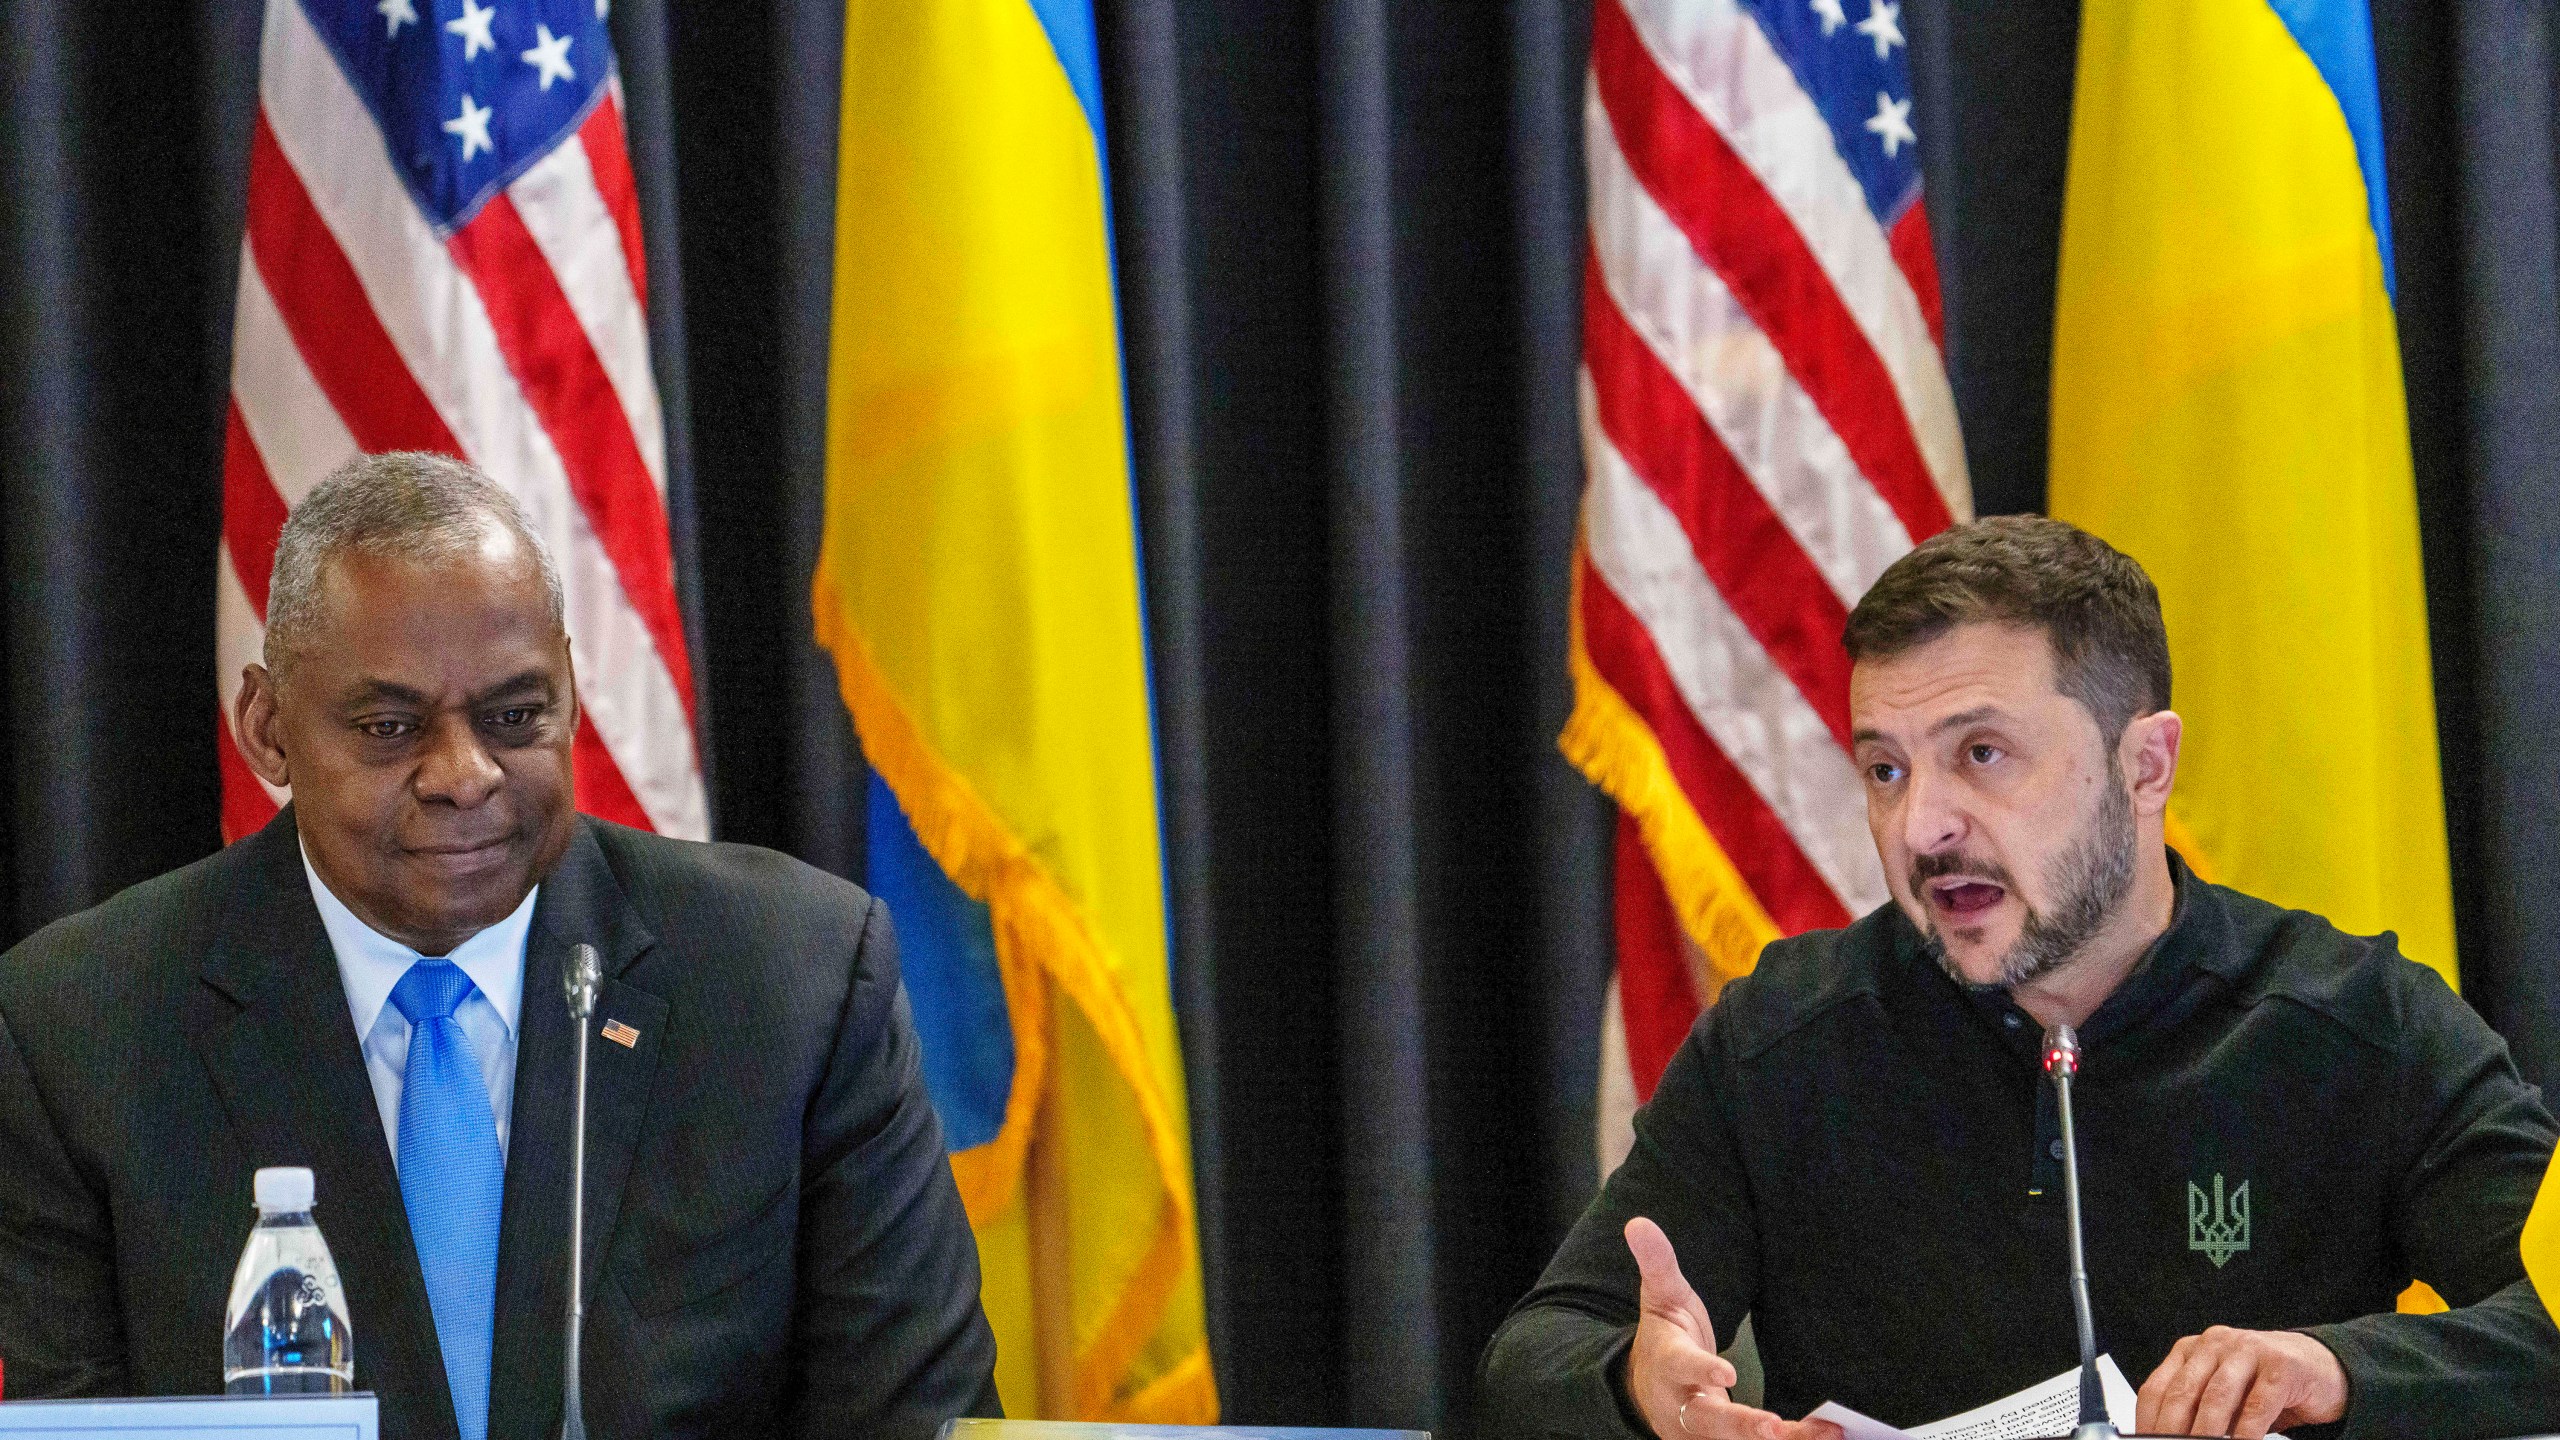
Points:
(287, 1332)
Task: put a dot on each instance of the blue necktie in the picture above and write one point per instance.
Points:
(452, 1179)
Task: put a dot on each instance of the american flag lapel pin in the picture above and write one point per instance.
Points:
(621, 1034)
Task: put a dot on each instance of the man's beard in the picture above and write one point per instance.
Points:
(2091, 877)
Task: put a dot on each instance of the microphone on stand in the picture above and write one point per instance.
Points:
(584, 975)
(2062, 1061)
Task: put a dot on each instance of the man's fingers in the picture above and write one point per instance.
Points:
(2234, 1374)
(2147, 1402)
(2242, 1383)
(1663, 1287)
(1680, 1369)
(2266, 1401)
(2168, 1400)
(1664, 1290)
(1708, 1415)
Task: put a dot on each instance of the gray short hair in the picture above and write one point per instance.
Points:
(404, 504)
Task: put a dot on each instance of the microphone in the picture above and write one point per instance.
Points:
(2062, 1062)
(584, 975)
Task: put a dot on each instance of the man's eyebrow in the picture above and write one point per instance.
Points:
(1958, 721)
(1962, 718)
(515, 684)
(369, 692)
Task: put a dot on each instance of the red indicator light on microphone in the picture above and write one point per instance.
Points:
(2061, 1051)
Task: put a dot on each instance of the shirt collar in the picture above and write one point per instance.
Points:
(2197, 939)
(371, 963)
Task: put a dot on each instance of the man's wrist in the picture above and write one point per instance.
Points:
(1615, 1373)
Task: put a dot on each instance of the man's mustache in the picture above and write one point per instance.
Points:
(1925, 868)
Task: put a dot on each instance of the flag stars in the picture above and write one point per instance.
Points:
(473, 27)
(1882, 25)
(396, 13)
(1831, 16)
(1890, 124)
(549, 56)
(472, 127)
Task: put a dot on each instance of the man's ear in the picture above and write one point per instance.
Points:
(254, 725)
(2149, 755)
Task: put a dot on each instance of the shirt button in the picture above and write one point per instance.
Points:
(2009, 1020)
(2054, 1149)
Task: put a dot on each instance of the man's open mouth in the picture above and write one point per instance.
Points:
(1961, 896)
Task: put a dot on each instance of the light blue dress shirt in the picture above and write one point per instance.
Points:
(370, 963)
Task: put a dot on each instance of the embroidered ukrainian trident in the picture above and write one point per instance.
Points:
(2218, 1224)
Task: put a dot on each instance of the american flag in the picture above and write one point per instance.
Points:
(1767, 425)
(443, 253)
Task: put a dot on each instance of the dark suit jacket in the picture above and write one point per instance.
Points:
(774, 1242)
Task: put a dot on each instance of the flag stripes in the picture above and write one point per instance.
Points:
(1720, 84)
(1702, 336)
(1767, 426)
(1763, 850)
(1755, 716)
(1772, 585)
(516, 339)
(1738, 227)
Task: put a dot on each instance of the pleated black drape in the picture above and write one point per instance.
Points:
(1349, 240)
(1348, 253)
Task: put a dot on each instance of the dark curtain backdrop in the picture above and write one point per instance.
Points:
(1348, 237)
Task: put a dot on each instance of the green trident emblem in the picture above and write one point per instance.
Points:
(2218, 1225)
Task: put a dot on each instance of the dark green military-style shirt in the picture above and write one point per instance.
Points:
(2280, 1126)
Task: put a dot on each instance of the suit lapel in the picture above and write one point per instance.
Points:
(272, 1029)
(581, 903)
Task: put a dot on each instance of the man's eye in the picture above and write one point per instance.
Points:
(386, 729)
(1884, 773)
(1982, 754)
(514, 717)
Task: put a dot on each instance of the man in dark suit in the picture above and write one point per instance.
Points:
(371, 986)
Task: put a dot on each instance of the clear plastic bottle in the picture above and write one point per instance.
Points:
(286, 1332)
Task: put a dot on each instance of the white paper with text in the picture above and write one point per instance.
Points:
(2049, 1409)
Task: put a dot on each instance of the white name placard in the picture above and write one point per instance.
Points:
(200, 1417)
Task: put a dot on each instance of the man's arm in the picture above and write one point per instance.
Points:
(1558, 1364)
(2491, 1365)
(888, 1337)
(61, 1326)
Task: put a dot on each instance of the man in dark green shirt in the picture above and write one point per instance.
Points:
(2280, 1125)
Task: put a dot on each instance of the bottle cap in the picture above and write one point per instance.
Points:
(284, 1190)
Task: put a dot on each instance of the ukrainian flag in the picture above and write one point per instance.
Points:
(2227, 409)
(978, 584)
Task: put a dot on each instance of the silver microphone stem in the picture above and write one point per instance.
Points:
(584, 974)
(2093, 1405)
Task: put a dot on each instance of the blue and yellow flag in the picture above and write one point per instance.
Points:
(2227, 409)
(978, 584)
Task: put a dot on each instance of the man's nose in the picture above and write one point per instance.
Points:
(457, 769)
(1933, 818)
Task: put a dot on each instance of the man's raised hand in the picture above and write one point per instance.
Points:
(1675, 1378)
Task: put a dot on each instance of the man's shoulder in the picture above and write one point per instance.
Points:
(145, 934)
(2363, 984)
(1802, 977)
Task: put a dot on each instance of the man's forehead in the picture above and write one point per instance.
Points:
(478, 592)
(1971, 671)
